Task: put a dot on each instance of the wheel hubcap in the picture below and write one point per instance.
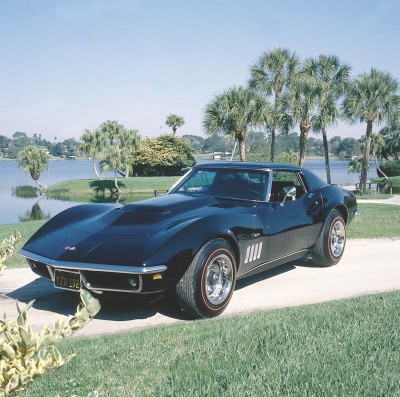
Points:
(218, 279)
(338, 238)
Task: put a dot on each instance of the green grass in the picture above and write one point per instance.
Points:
(26, 229)
(374, 196)
(392, 180)
(377, 221)
(342, 348)
(91, 187)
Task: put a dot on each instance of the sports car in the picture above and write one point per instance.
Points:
(222, 221)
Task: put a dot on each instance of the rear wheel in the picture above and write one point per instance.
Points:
(331, 243)
(208, 284)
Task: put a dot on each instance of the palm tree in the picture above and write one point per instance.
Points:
(93, 143)
(174, 121)
(111, 129)
(113, 160)
(335, 78)
(270, 75)
(377, 144)
(300, 103)
(34, 160)
(128, 141)
(391, 135)
(233, 112)
(372, 98)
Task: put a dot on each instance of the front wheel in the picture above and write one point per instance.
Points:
(208, 284)
(331, 243)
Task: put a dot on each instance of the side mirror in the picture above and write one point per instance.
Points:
(288, 191)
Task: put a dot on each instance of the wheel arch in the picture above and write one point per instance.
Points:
(228, 237)
(343, 210)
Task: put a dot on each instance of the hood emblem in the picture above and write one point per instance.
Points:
(68, 248)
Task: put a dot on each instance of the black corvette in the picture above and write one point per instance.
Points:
(220, 222)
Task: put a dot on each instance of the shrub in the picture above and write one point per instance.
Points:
(163, 156)
(390, 168)
(7, 248)
(26, 354)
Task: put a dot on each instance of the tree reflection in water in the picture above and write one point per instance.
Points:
(35, 214)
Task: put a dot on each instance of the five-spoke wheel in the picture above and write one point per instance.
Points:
(207, 286)
(330, 245)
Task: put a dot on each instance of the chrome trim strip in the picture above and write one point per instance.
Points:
(274, 260)
(97, 267)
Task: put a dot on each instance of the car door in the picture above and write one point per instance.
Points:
(294, 224)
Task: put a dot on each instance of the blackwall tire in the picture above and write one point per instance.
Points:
(208, 284)
(331, 243)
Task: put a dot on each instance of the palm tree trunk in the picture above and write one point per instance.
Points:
(95, 169)
(41, 185)
(326, 152)
(174, 130)
(364, 169)
(116, 183)
(377, 165)
(241, 137)
(304, 128)
(234, 150)
(272, 156)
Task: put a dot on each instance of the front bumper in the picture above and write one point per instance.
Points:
(99, 277)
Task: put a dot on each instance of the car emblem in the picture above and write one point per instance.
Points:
(68, 248)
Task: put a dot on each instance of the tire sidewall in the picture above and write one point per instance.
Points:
(336, 216)
(206, 255)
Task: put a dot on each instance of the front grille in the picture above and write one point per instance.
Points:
(112, 281)
(39, 268)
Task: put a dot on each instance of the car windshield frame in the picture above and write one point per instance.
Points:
(223, 175)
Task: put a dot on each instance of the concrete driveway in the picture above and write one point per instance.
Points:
(367, 267)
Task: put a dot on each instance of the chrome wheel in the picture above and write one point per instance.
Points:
(337, 238)
(218, 279)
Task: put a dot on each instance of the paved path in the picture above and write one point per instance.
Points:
(368, 266)
(393, 200)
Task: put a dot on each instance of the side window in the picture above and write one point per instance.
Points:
(282, 179)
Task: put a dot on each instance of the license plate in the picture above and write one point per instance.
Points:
(67, 280)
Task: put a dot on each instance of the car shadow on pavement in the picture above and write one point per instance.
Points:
(124, 307)
(114, 307)
(276, 271)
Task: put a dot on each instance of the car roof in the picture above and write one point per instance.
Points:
(313, 181)
(246, 164)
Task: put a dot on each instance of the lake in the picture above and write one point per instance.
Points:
(14, 209)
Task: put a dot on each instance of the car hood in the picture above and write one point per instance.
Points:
(124, 235)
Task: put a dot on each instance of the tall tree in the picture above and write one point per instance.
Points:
(391, 135)
(93, 143)
(378, 143)
(129, 142)
(300, 103)
(174, 121)
(335, 78)
(111, 128)
(372, 98)
(233, 112)
(34, 160)
(270, 75)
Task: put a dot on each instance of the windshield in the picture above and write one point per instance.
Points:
(229, 183)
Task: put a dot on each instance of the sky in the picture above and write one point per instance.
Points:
(68, 65)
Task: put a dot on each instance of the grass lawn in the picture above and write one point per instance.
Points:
(374, 197)
(26, 229)
(91, 187)
(342, 348)
(377, 221)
